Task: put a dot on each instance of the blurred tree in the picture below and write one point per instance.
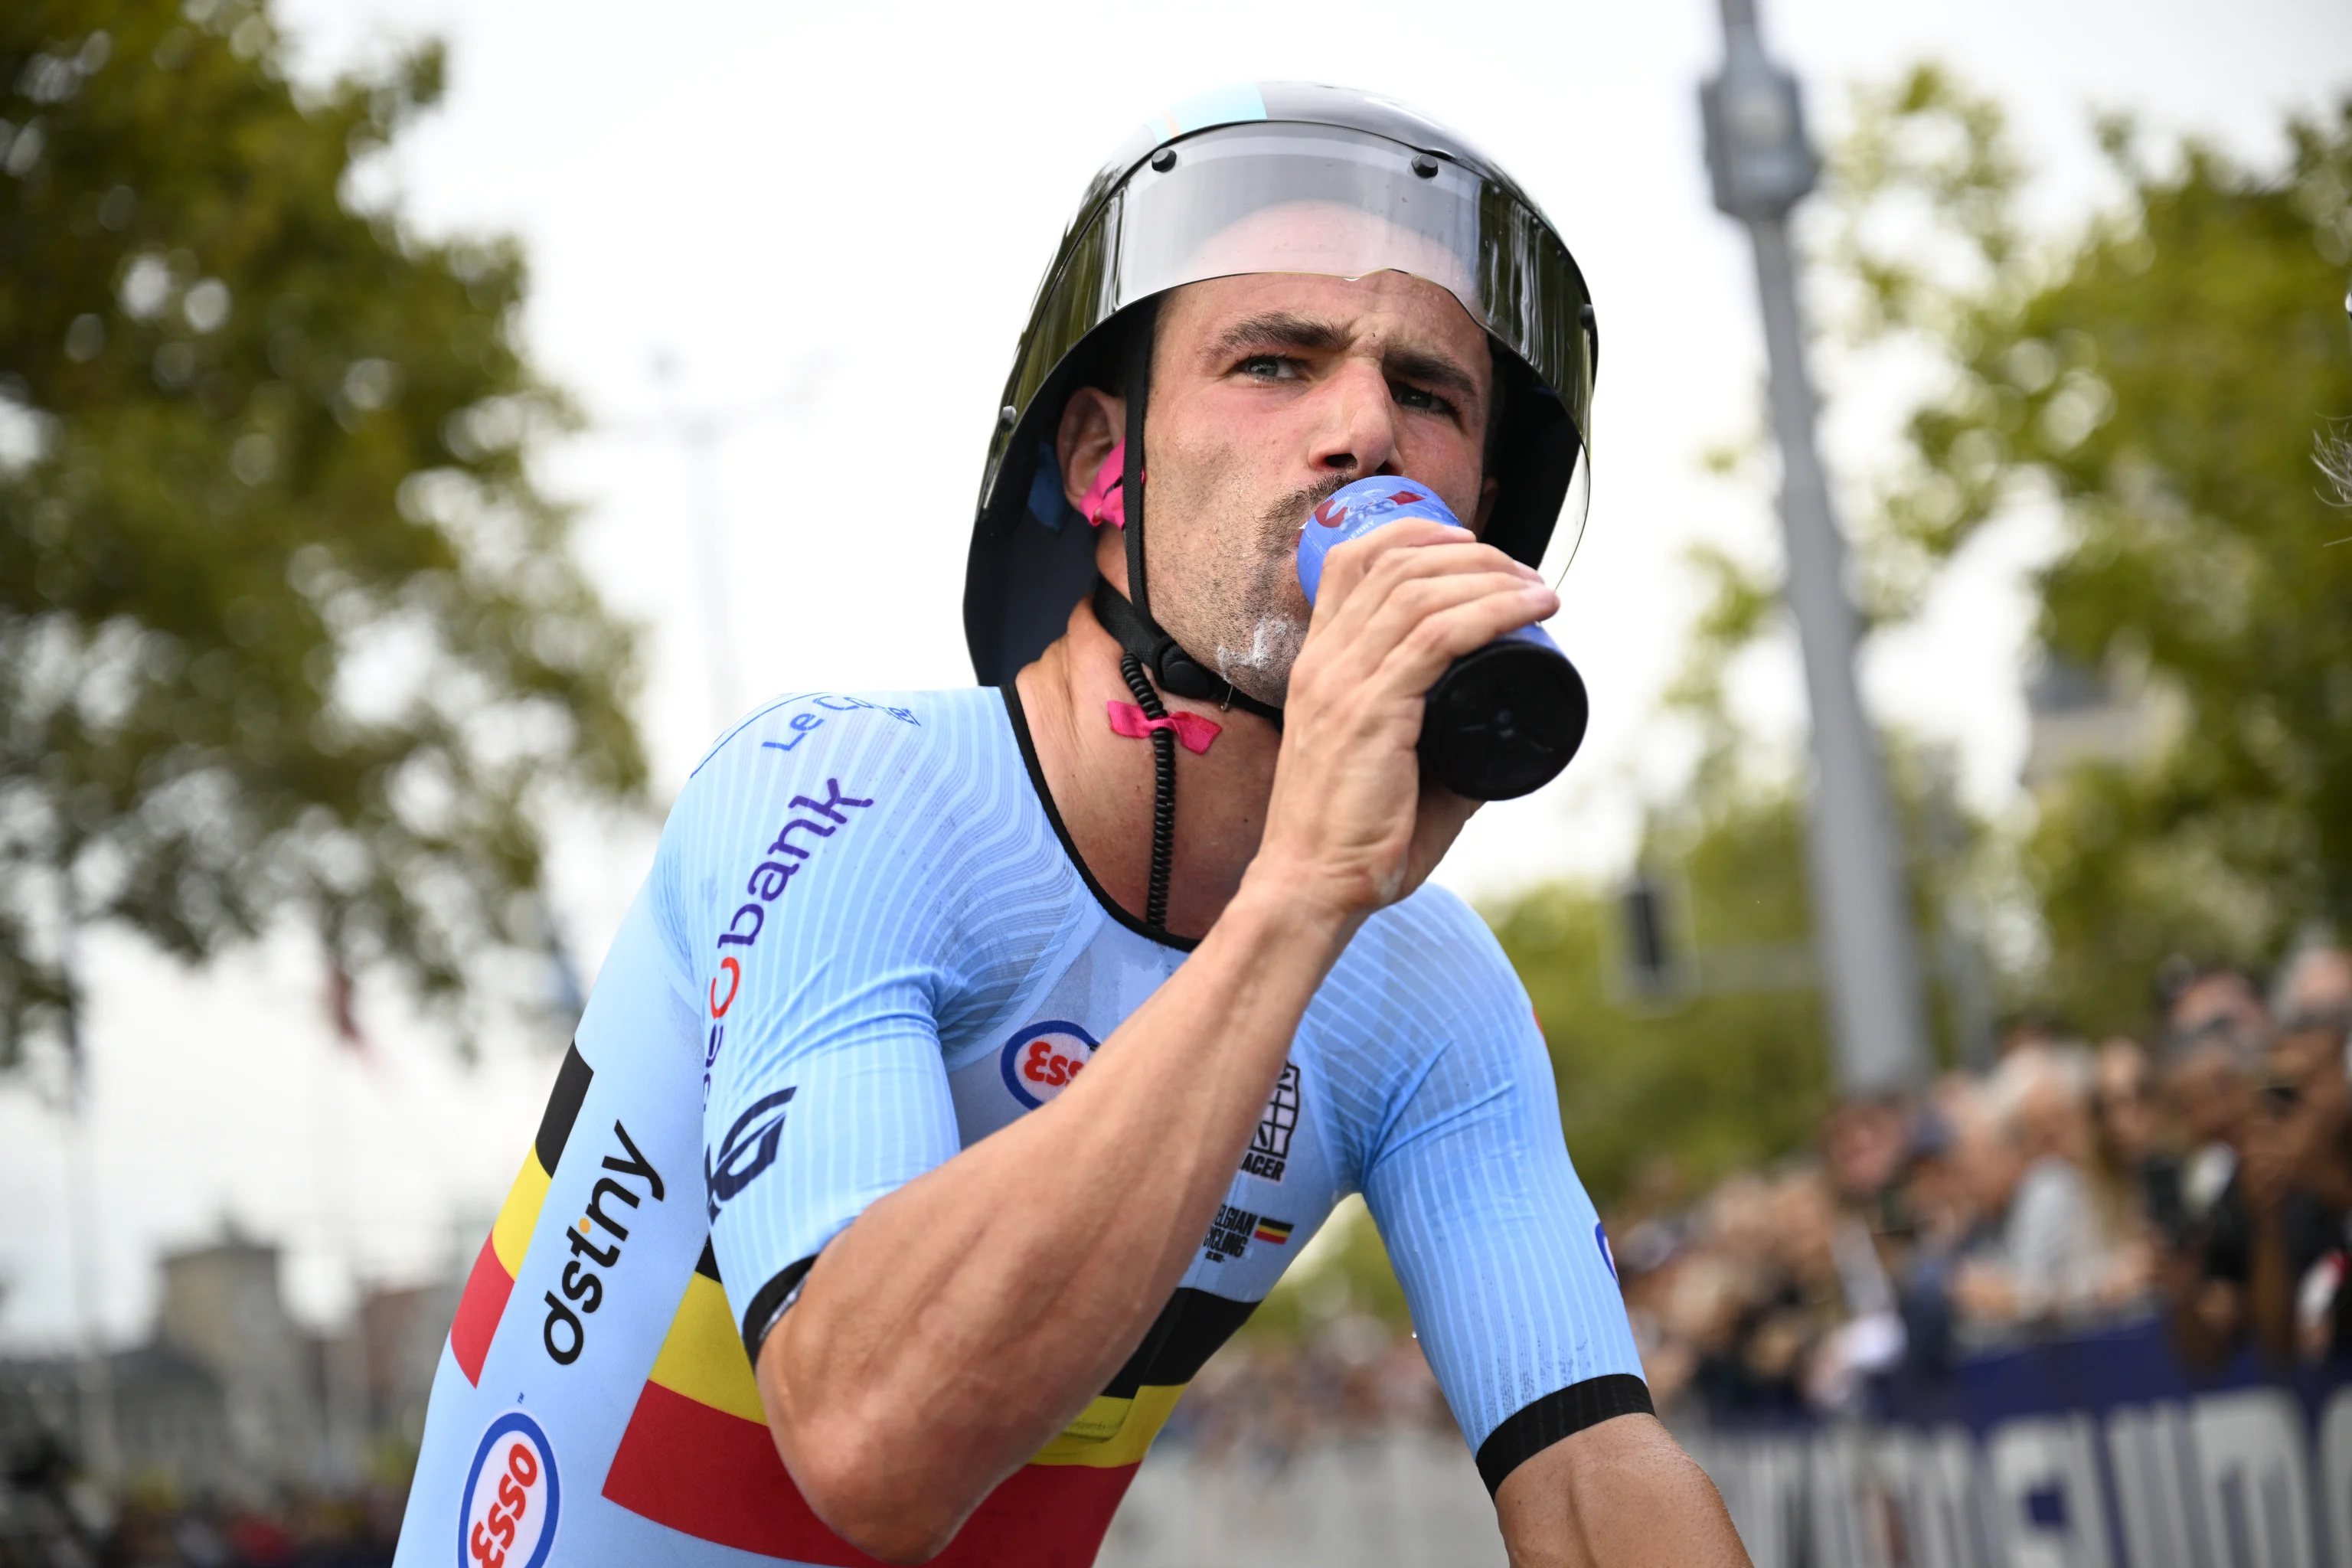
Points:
(284, 624)
(2159, 376)
(1720, 1078)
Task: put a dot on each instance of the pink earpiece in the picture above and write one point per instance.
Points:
(1105, 498)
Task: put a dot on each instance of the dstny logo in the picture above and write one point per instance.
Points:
(564, 1333)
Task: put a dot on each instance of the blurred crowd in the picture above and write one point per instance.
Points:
(2203, 1177)
(49, 1518)
(1261, 1401)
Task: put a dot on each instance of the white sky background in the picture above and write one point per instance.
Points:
(754, 189)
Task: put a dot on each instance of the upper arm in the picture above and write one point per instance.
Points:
(1500, 1252)
(800, 894)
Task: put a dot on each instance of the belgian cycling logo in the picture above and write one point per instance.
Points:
(1270, 1150)
(564, 1333)
(512, 1500)
(1042, 1059)
(1234, 1229)
(749, 1148)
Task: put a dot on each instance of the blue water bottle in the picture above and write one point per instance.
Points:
(1501, 722)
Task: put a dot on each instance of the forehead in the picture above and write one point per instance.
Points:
(1389, 307)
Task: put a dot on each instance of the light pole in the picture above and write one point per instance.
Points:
(698, 432)
(1761, 164)
(93, 1377)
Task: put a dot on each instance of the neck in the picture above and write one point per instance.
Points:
(1101, 781)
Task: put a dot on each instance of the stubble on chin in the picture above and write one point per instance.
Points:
(1263, 621)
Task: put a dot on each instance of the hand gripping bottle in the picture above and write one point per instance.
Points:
(1501, 722)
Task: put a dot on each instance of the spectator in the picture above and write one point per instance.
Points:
(2272, 1247)
(2134, 1171)
(2219, 1003)
(2041, 1255)
(2316, 989)
(2027, 1032)
(2211, 1093)
(2135, 1182)
(2051, 1196)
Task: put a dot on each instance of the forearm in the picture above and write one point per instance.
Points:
(1619, 1495)
(964, 1319)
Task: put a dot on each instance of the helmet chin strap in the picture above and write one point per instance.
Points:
(1129, 618)
(1150, 658)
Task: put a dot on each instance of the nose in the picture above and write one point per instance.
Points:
(1356, 432)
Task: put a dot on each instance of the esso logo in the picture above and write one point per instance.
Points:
(512, 1498)
(1044, 1059)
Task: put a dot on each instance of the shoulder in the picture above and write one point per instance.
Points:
(884, 726)
(1434, 961)
(894, 786)
(907, 743)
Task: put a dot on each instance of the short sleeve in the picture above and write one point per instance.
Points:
(1502, 1257)
(801, 876)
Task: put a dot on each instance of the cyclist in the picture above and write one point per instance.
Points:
(957, 1083)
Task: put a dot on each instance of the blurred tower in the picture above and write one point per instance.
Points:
(1762, 165)
(222, 1307)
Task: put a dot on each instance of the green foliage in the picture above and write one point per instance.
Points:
(284, 624)
(1718, 1082)
(2162, 374)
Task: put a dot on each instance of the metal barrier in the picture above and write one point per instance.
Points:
(1391, 1499)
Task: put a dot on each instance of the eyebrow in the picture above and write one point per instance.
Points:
(1281, 329)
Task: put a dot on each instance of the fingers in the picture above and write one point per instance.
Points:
(1349, 564)
(1407, 609)
(1394, 609)
(1423, 613)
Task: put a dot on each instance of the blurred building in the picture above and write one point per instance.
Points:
(233, 1398)
(2076, 714)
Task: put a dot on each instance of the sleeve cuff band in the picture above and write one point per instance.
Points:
(1560, 1413)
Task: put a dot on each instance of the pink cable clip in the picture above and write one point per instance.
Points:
(1192, 731)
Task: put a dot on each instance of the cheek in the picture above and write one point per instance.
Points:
(1448, 464)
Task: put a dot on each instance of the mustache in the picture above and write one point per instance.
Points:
(1286, 517)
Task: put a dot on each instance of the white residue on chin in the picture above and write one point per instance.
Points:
(1275, 639)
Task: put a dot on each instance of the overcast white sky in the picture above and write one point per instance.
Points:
(760, 192)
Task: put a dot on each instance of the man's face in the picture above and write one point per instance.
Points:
(2225, 1007)
(1864, 1147)
(1269, 392)
(2209, 1090)
(2320, 986)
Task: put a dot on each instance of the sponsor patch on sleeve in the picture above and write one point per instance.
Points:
(513, 1498)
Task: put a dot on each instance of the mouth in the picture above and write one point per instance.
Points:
(1288, 518)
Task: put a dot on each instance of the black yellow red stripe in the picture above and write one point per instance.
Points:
(697, 1454)
(484, 1301)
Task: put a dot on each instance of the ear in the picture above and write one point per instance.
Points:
(1092, 422)
(1489, 491)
